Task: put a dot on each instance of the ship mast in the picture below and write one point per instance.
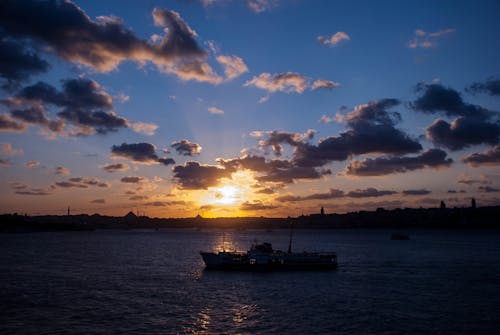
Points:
(290, 242)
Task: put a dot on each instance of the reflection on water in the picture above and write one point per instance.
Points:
(153, 283)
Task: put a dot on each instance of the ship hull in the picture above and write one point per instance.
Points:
(271, 262)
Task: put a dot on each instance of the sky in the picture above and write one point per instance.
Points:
(247, 108)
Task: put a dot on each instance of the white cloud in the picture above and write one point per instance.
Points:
(145, 128)
(215, 110)
(334, 39)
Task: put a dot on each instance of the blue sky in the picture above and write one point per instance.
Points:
(252, 107)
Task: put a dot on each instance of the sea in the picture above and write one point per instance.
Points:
(154, 282)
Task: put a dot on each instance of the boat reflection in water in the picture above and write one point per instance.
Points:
(262, 257)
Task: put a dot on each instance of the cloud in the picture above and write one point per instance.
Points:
(259, 6)
(287, 82)
(5, 162)
(116, 167)
(468, 180)
(430, 158)
(265, 190)
(416, 192)
(143, 153)
(32, 164)
(275, 171)
(104, 43)
(215, 110)
(463, 132)
(334, 39)
(369, 192)
(331, 194)
(34, 191)
(81, 182)
(474, 124)
(18, 62)
(9, 150)
(23, 189)
(372, 131)
(337, 194)
(489, 157)
(8, 124)
(256, 205)
(324, 84)
(436, 98)
(61, 170)
(138, 197)
(36, 115)
(98, 201)
(69, 184)
(133, 180)
(83, 104)
(145, 128)
(490, 86)
(233, 66)
(488, 189)
(186, 148)
(193, 175)
(425, 40)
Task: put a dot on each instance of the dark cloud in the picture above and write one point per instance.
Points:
(372, 131)
(36, 115)
(8, 124)
(490, 86)
(265, 190)
(489, 157)
(488, 189)
(98, 201)
(416, 192)
(61, 170)
(138, 197)
(463, 132)
(69, 184)
(81, 182)
(331, 194)
(193, 175)
(186, 148)
(369, 192)
(473, 125)
(144, 153)
(455, 191)
(436, 98)
(23, 189)
(132, 180)
(18, 62)
(34, 191)
(468, 180)
(336, 194)
(275, 170)
(5, 162)
(105, 43)
(76, 93)
(84, 104)
(257, 205)
(116, 167)
(430, 158)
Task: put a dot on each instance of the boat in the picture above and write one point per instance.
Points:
(262, 257)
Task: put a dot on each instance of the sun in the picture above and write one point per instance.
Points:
(226, 195)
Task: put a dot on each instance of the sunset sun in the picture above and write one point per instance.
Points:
(226, 195)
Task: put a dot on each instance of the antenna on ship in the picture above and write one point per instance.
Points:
(291, 234)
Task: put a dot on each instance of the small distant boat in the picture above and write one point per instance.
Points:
(400, 237)
(262, 257)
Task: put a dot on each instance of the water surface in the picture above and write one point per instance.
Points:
(153, 282)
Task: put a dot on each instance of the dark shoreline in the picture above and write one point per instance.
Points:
(449, 218)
